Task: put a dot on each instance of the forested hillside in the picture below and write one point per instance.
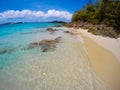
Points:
(106, 12)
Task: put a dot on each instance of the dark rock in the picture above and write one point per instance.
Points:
(67, 32)
(49, 45)
(33, 45)
(11, 50)
(47, 42)
(46, 45)
(51, 30)
(58, 39)
(3, 51)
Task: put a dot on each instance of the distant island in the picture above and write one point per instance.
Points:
(8, 23)
(58, 22)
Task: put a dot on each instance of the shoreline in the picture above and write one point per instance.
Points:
(67, 67)
(111, 44)
(105, 62)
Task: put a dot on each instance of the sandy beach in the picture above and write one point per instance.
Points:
(104, 56)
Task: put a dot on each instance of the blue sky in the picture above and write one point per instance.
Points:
(52, 9)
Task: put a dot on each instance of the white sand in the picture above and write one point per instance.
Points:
(110, 44)
(104, 56)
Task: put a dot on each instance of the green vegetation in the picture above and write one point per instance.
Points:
(104, 12)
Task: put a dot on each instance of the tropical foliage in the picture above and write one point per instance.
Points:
(103, 12)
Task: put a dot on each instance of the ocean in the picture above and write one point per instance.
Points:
(65, 68)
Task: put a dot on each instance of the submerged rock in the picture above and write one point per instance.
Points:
(67, 32)
(3, 51)
(49, 45)
(46, 45)
(58, 39)
(51, 30)
(33, 45)
(10, 50)
(47, 42)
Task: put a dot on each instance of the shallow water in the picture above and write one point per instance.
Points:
(66, 68)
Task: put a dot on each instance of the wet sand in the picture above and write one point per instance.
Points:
(104, 62)
(111, 44)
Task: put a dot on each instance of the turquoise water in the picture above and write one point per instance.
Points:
(15, 33)
(14, 40)
(16, 37)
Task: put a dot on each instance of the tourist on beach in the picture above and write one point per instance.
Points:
(74, 26)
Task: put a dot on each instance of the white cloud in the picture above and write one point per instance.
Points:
(35, 14)
(60, 14)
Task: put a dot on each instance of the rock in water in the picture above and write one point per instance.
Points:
(49, 45)
(67, 32)
(51, 30)
(3, 51)
(58, 39)
(33, 45)
(46, 45)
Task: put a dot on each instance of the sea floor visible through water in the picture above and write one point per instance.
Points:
(65, 68)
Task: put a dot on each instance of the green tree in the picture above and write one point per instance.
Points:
(79, 16)
(105, 11)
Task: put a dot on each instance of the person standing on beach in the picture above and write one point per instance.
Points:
(74, 26)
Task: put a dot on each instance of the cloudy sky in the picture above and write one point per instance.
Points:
(38, 10)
